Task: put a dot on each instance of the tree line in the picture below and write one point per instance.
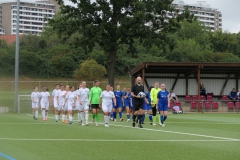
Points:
(62, 52)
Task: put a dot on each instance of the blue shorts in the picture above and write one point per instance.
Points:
(149, 107)
(119, 105)
(163, 106)
(127, 104)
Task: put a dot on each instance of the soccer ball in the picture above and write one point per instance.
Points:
(142, 94)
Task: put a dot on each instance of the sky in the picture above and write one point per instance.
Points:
(230, 12)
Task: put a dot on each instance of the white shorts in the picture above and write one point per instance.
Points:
(55, 104)
(77, 107)
(45, 105)
(65, 108)
(34, 104)
(70, 106)
(59, 107)
(84, 106)
(107, 107)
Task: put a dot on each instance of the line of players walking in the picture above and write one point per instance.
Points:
(66, 100)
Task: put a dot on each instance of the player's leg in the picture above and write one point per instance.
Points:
(81, 114)
(114, 113)
(47, 107)
(63, 113)
(105, 111)
(56, 110)
(149, 108)
(165, 113)
(43, 111)
(33, 109)
(119, 106)
(160, 109)
(86, 109)
(154, 112)
(59, 112)
(94, 111)
(70, 112)
(97, 115)
(135, 113)
(128, 113)
(36, 111)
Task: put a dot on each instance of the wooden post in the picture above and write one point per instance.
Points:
(224, 85)
(198, 80)
(175, 82)
(143, 76)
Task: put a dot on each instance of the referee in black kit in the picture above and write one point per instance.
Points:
(138, 101)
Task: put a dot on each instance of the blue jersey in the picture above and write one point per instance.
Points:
(163, 96)
(128, 98)
(118, 95)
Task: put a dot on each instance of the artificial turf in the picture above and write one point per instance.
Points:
(186, 136)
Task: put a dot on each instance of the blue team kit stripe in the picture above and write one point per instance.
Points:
(6, 156)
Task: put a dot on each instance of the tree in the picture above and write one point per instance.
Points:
(111, 23)
(90, 70)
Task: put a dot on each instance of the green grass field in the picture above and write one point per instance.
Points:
(186, 136)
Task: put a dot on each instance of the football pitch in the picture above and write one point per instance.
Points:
(186, 136)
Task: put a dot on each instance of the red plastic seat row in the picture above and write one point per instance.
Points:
(207, 105)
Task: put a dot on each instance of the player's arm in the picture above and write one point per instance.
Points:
(58, 99)
(114, 101)
(169, 99)
(100, 102)
(151, 95)
(79, 99)
(53, 94)
(32, 98)
(49, 99)
(74, 104)
(133, 95)
(90, 97)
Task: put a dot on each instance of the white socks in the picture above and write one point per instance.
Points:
(70, 118)
(63, 117)
(36, 114)
(43, 114)
(86, 117)
(106, 119)
(79, 118)
(82, 117)
(56, 117)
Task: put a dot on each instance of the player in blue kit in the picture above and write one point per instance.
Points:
(119, 102)
(148, 105)
(127, 102)
(163, 102)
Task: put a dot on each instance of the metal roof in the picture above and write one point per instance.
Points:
(187, 68)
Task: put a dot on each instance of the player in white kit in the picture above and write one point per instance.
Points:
(61, 97)
(70, 101)
(77, 103)
(35, 102)
(83, 95)
(106, 99)
(44, 101)
(55, 94)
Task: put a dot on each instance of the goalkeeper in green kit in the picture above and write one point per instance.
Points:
(94, 98)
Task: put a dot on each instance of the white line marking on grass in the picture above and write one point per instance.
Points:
(115, 140)
(174, 132)
(182, 133)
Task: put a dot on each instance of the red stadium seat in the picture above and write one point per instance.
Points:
(225, 100)
(193, 106)
(230, 106)
(237, 106)
(188, 99)
(195, 98)
(171, 105)
(202, 98)
(208, 106)
(215, 106)
(178, 103)
(209, 98)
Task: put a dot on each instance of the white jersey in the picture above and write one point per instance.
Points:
(83, 93)
(107, 97)
(44, 96)
(35, 96)
(55, 94)
(70, 97)
(60, 97)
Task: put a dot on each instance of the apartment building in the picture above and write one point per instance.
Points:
(204, 12)
(31, 16)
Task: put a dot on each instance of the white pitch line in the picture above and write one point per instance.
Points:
(174, 132)
(115, 140)
(182, 133)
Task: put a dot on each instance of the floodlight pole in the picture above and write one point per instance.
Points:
(17, 61)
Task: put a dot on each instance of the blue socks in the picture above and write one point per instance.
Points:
(111, 115)
(150, 117)
(165, 117)
(162, 119)
(143, 118)
(120, 115)
(128, 116)
(114, 115)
